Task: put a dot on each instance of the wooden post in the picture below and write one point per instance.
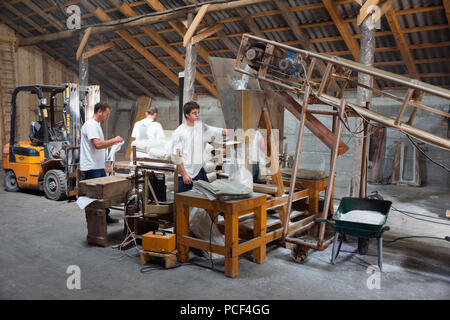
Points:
(189, 68)
(362, 183)
(331, 178)
(296, 161)
(366, 57)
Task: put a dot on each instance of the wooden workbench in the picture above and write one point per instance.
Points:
(232, 210)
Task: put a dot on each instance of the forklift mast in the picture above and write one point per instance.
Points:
(79, 103)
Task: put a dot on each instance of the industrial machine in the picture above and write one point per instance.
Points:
(304, 77)
(49, 161)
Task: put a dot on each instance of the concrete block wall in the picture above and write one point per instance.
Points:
(315, 155)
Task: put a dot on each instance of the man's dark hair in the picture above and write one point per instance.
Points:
(101, 106)
(152, 110)
(189, 106)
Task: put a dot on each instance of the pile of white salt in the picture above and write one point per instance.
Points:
(363, 216)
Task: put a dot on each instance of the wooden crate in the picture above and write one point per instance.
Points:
(105, 187)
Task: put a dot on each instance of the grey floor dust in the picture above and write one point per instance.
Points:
(40, 239)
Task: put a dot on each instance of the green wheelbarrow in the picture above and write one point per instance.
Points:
(363, 218)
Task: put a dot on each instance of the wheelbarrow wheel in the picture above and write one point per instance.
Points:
(299, 253)
(363, 245)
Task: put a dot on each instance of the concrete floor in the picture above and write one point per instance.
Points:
(40, 239)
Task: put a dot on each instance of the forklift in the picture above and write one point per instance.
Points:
(49, 161)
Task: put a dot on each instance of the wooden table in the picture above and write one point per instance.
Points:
(314, 187)
(231, 211)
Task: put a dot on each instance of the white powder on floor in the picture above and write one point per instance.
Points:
(363, 216)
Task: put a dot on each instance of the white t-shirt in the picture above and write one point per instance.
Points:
(256, 150)
(191, 141)
(148, 129)
(90, 157)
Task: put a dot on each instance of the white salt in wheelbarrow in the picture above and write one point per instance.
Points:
(363, 218)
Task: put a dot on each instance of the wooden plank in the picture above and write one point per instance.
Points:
(364, 11)
(301, 36)
(144, 104)
(178, 27)
(139, 47)
(446, 4)
(401, 42)
(128, 11)
(83, 42)
(206, 33)
(194, 25)
(351, 43)
(95, 50)
(311, 122)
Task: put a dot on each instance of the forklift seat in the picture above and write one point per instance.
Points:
(36, 133)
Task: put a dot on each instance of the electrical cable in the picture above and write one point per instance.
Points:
(446, 238)
(154, 14)
(402, 212)
(423, 152)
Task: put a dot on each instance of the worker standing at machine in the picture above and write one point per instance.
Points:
(190, 139)
(93, 146)
(148, 129)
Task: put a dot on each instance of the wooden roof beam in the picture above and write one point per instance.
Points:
(133, 42)
(401, 43)
(44, 47)
(351, 43)
(96, 50)
(128, 11)
(209, 21)
(178, 27)
(305, 43)
(446, 4)
(49, 18)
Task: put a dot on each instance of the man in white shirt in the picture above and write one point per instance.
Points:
(148, 129)
(93, 146)
(190, 140)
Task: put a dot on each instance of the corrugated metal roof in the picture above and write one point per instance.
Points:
(430, 44)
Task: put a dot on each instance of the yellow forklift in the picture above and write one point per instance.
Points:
(49, 161)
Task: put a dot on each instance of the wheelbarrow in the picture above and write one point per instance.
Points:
(362, 228)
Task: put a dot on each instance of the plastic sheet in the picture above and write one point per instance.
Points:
(201, 225)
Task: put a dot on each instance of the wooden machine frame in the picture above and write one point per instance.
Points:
(337, 70)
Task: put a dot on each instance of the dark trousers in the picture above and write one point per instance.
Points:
(255, 171)
(182, 187)
(95, 173)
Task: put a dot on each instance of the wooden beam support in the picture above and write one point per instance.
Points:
(96, 50)
(251, 24)
(351, 43)
(302, 37)
(49, 18)
(205, 33)
(83, 42)
(401, 43)
(139, 47)
(125, 75)
(178, 27)
(364, 11)
(128, 11)
(446, 4)
(194, 25)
